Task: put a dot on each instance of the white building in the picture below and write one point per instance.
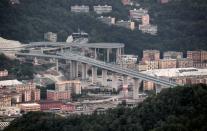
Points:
(126, 24)
(80, 9)
(137, 14)
(107, 20)
(10, 83)
(176, 72)
(50, 36)
(9, 111)
(128, 59)
(102, 9)
(150, 29)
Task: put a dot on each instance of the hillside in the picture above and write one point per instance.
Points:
(16, 69)
(175, 109)
(182, 24)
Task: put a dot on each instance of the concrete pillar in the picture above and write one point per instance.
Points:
(42, 51)
(84, 71)
(73, 69)
(158, 88)
(95, 53)
(87, 68)
(117, 55)
(136, 87)
(104, 77)
(76, 69)
(57, 65)
(114, 81)
(94, 75)
(125, 86)
(122, 51)
(35, 61)
(108, 55)
(125, 80)
(61, 49)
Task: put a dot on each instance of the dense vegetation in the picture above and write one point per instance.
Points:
(175, 109)
(16, 69)
(182, 24)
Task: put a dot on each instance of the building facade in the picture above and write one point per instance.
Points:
(150, 29)
(167, 63)
(197, 56)
(172, 55)
(126, 24)
(28, 107)
(184, 63)
(58, 95)
(151, 55)
(107, 20)
(4, 73)
(50, 36)
(136, 14)
(102, 9)
(80, 9)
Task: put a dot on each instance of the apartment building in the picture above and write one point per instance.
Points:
(4, 73)
(136, 14)
(184, 63)
(80, 9)
(172, 55)
(102, 9)
(107, 20)
(126, 24)
(50, 36)
(151, 55)
(167, 63)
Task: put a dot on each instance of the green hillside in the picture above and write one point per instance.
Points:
(182, 24)
(175, 109)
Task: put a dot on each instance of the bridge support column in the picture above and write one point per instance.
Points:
(117, 54)
(125, 80)
(73, 70)
(94, 75)
(84, 72)
(87, 68)
(57, 65)
(61, 49)
(125, 86)
(136, 87)
(42, 51)
(114, 81)
(104, 77)
(108, 55)
(95, 53)
(158, 88)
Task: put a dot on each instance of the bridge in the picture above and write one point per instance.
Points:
(74, 59)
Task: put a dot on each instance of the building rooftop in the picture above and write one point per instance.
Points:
(30, 104)
(176, 72)
(10, 82)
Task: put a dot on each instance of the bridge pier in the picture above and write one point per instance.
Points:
(35, 61)
(125, 80)
(95, 53)
(84, 71)
(57, 65)
(104, 77)
(136, 87)
(73, 69)
(125, 86)
(108, 55)
(61, 49)
(158, 88)
(94, 74)
(114, 81)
